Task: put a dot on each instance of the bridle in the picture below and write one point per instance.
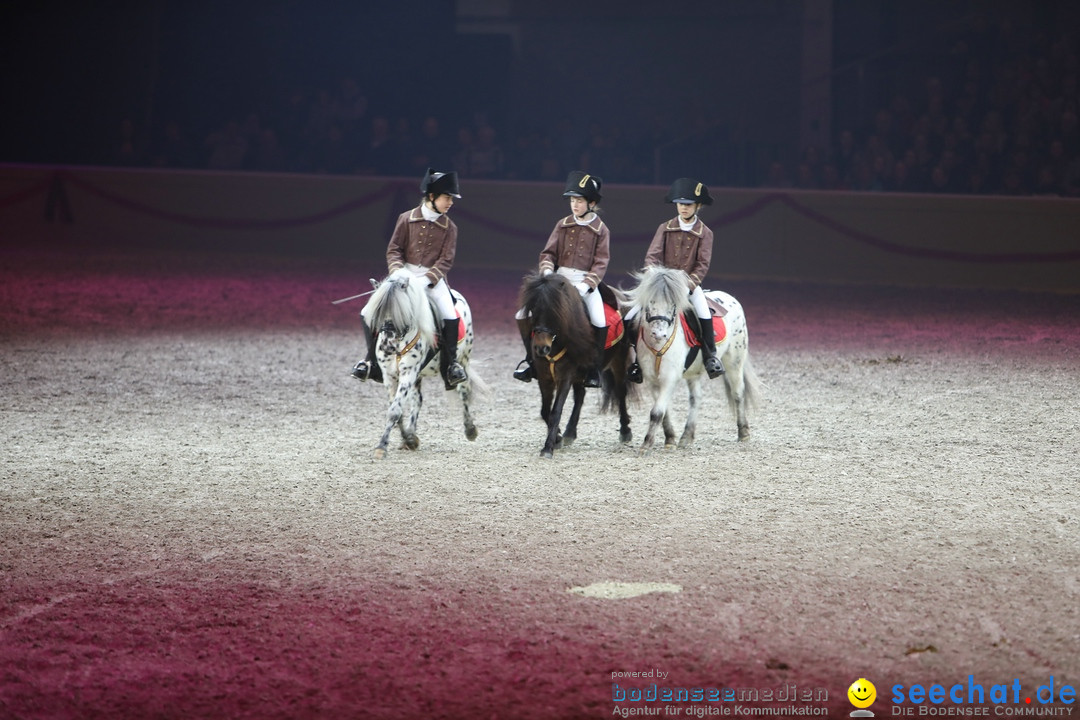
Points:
(667, 320)
(388, 327)
(552, 359)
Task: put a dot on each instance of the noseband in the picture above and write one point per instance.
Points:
(666, 319)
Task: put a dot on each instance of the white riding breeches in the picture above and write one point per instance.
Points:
(594, 304)
(697, 299)
(439, 293)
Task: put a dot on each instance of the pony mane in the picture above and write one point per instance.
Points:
(657, 285)
(401, 300)
(553, 301)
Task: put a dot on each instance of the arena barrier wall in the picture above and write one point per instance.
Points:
(788, 235)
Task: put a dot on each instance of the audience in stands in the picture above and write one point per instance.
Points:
(999, 116)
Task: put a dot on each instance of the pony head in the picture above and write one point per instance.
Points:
(661, 296)
(557, 315)
(400, 306)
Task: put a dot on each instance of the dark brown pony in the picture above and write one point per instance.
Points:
(563, 349)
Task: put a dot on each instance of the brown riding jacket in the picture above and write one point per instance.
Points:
(422, 242)
(676, 248)
(582, 247)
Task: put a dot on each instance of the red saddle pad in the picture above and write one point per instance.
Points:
(614, 325)
(719, 331)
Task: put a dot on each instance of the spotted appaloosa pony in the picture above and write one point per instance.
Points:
(563, 348)
(665, 354)
(403, 320)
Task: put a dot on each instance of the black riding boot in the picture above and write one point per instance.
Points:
(592, 377)
(525, 371)
(713, 366)
(633, 370)
(368, 369)
(452, 371)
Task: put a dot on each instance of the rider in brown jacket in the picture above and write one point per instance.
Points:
(425, 241)
(685, 243)
(579, 248)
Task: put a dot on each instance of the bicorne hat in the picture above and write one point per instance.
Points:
(440, 183)
(579, 184)
(688, 190)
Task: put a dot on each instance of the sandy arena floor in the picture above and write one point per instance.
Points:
(192, 523)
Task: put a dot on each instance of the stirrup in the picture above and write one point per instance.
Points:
(361, 371)
(633, 373)
(714, 367)
(592, 378)
(526, 373)
(455, 375)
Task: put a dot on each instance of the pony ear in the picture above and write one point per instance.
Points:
(374, 283)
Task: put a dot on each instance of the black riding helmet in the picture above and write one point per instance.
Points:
(440, 183)
(580, 184)
(689, 191)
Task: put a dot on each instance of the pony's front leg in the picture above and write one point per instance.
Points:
(663, 389)
(669, 431)
(570, 432)
(696, 395)
(398, 387)
(555, 417)
(410, 415)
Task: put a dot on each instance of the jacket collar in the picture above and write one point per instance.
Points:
(673, 226)
(417, 216)
(595, 224)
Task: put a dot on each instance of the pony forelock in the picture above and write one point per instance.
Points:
(401, 300)
(657, 285)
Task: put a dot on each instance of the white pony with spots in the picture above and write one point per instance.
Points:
(664, 353)
(402, 319)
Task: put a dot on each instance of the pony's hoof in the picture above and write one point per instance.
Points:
(626, 437)
(547, 454)
(568, 440)
(410, 443)
(744, 434)
(380, 453)
(470, 433)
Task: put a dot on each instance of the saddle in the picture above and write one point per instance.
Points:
(691, 331)
(690, 323)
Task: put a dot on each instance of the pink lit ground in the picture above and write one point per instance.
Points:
(192, 524)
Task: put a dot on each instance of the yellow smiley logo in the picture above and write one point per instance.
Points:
(862, 693)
